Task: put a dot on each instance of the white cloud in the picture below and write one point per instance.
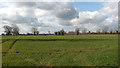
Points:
(39, 12)
(56, 16)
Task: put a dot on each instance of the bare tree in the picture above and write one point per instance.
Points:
(48, 31)
(98, 31)
(35, 31)
(84, 30)
(115, 30)
(105, 29)
(15, 30)
(77, 31)
(62, 32)
(8, 30)
(111, 31)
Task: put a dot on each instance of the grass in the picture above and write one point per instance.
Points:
(82, 50)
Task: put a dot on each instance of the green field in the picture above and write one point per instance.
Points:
(69, 50)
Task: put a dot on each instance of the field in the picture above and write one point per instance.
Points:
(69, 50)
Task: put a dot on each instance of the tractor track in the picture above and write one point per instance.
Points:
(4, 41)
(10, 46)
(13, 43)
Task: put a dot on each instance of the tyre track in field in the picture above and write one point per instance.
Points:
(13, 44)
(10, 46)
(26, 59)
(4, 41)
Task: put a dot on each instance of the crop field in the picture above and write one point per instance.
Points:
(68, 50)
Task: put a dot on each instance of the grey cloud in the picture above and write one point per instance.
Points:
(47, 5)
(65, 23)
(65, 12)
(25, 4)
(62, 10)
(19, 19)
(39, 25)
(98, 19)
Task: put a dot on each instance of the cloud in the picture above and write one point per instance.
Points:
(89, 17)
(105, 17)
(65, 11)
(55, 16)
(25, 4)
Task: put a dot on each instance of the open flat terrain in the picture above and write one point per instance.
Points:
(68, 50)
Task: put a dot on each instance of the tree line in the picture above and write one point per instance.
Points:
(14, 30)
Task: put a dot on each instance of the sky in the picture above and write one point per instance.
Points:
(88, 6)
(54, 16)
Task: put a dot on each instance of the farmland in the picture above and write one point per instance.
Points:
(68, 50)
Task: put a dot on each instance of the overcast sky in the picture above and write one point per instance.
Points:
(54, 16)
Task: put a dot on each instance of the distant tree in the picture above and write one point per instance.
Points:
(105, 30)
(98, 31)
(89, 32)
(77, 31)
(62, 32)
(84, 30)
(115, 30)
(28, 34)
(56, 33)
(35, 31)
(2, 34)
(111, 31)
(15, 30)
(48, 31)
(8, 30)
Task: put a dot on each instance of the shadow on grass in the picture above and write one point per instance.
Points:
(64, 39)
(4, 40)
